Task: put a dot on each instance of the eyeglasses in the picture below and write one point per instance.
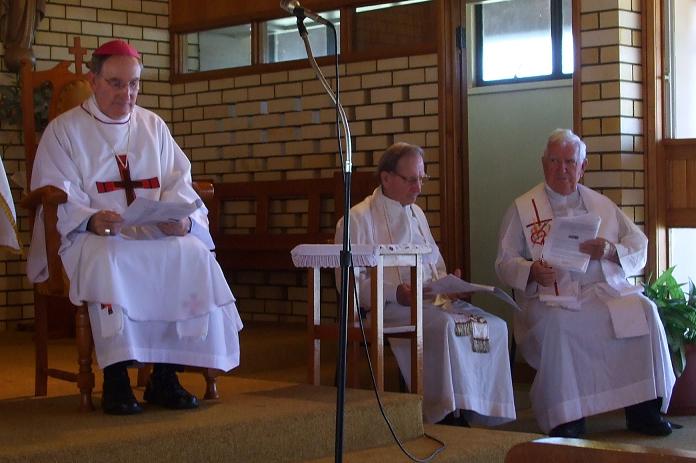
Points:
(413, 180)
(118, 84)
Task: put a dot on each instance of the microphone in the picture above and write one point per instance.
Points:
(294, 8)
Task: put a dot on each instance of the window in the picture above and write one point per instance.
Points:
(230, 48)
(227, 47)
(282, 42)
(523, 40)
(681, 68)
(682, 249)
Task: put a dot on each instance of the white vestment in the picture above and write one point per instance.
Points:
(9, 235)
(455, 377)
(583, 367)
(151, 297)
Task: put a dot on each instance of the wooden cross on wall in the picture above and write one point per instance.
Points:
(78, 52)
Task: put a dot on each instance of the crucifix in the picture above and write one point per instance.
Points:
(126, 183)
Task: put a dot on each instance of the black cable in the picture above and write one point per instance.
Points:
(437, 451)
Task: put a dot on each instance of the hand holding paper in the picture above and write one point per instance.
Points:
(453, 284)
(562, 247)
(146, 211)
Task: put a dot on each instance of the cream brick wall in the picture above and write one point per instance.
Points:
(281, 125)
(612, 124)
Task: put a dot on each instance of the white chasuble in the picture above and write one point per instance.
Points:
(151, 297)
(455, 377)
(585, 365)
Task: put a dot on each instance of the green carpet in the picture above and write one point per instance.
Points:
(257, 421)
(263, 415)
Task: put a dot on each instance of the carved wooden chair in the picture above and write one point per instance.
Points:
(67, 89)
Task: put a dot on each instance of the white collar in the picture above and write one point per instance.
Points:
(93, 108)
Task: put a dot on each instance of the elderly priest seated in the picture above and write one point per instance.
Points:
(596, 342)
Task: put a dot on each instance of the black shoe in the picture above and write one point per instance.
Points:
(117, 396)
(573, 429)
(453, 420)
(164, 389)
(645, 418)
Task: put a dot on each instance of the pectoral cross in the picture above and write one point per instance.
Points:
(126, 183)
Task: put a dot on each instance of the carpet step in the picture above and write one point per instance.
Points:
(464, 445)
(254, 421)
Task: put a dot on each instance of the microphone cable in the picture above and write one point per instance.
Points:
(442, 445)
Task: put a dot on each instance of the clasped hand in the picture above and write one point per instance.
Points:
(109, 223)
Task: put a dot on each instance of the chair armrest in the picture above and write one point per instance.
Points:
(50, 198)
(205, 190)
(46, 196)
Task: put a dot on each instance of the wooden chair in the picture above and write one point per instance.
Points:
(68, 89)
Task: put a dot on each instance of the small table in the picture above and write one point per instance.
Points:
(376, 257)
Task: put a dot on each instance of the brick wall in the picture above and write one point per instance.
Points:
(280, 126)
(255, 127)
(612, 123)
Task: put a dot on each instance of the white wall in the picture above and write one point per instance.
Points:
(508, 127)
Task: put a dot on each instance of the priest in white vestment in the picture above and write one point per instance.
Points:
(460, 375)
(155, 292)
(596, 342)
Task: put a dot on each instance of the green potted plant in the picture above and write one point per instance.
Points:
(677, 310)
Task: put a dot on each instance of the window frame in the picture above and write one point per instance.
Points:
(556, 13)
(347, 55)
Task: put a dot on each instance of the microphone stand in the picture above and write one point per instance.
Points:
(346, 256)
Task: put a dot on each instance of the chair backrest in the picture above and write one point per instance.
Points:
(67, 90)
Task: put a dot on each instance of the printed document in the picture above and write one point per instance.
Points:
(146, 211)
(562, 246)
(452, 284)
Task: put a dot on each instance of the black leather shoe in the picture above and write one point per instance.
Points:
(117, 396)
(645, 418)
(164, 389)
(573, 429)
(452, 420)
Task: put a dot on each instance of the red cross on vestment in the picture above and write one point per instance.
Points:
(126, 183)
(540, 228)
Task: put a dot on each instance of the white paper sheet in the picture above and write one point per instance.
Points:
(453, 284)
(146, 211)
(562, 247)
(628, 317)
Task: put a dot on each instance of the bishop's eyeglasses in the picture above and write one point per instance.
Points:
(118, 84)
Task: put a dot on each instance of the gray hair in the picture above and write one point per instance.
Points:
(567, 137)
(392, 155)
